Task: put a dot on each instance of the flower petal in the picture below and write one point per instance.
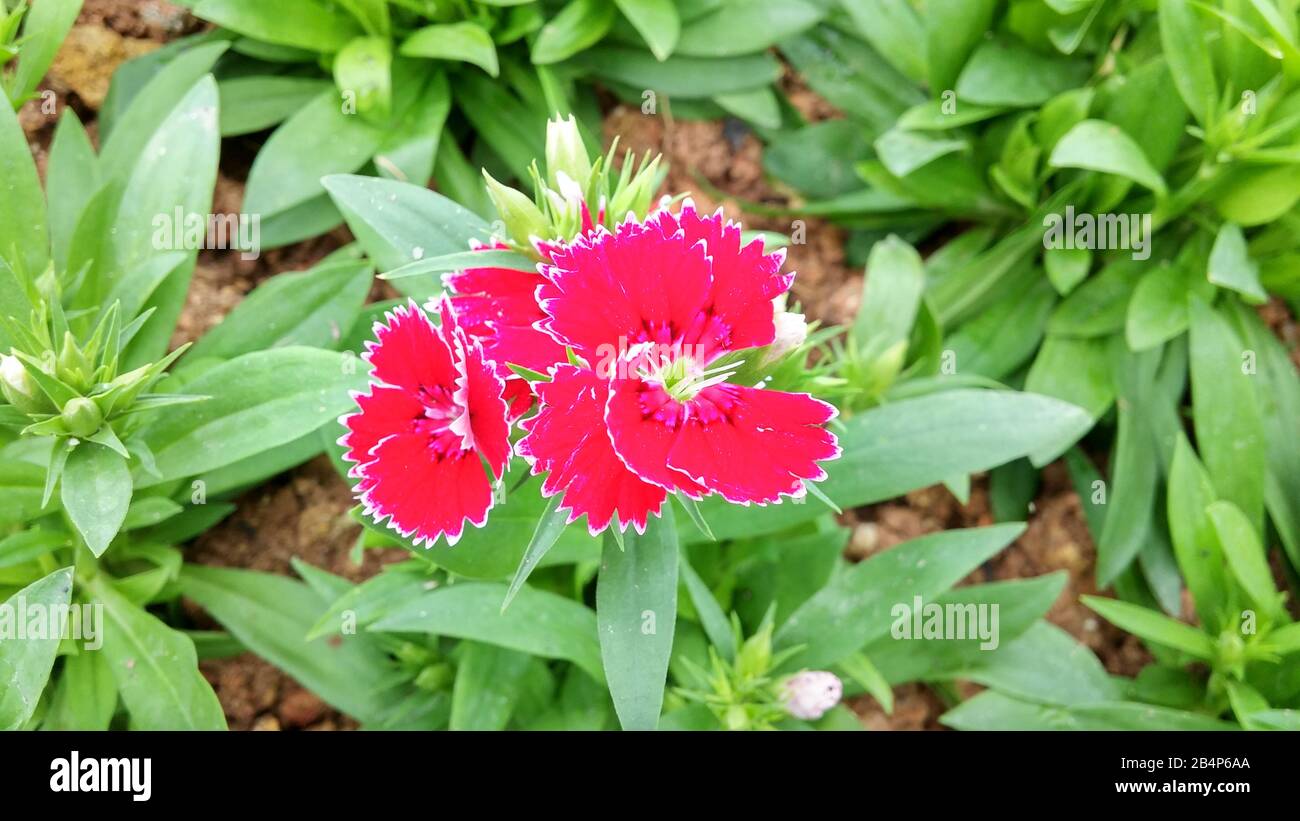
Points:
(643, 422)
(568, 440)
(745, 280)
(408, 352)
(423, 495)
(384, 411)
(607, 292)
(481, 393)
(754, 445)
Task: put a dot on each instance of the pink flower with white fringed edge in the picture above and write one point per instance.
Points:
(660, 312)
(430, 435)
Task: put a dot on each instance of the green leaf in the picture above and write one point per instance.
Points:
(1189, 59)
(746, 27)
(692, 508)
(259, 401)
(85, 696)
(149, 512)
(678, 76)
(1096, 145)
(656, 21)
(311, 308)
(891, 297)
(1231, 266)
(271, 615)
(540, 624)
(319, 139)
(1134, 473)
(151, 105)
(1044, 664)
(29, 545)
(398, 223)
(1006, 73)
(953, 29)
(1157, 311)
(1153, 627)
(155, 667)
(992, 710)
(313, 25)
(914, 443)
(96, 493)
(869, 678)
(251, 104)
(550, 526)
(859, 604)
(459, 260)
(636, 611)
(1076, 370)
(1247, 558)
(489, 682)
(467, 42)
(25, 664)
(903, 152)
(1195, 543)
(1066, 267)
(984, 620)
(1278, 395)
(712, 619)
(24, 237)
(895, 30)
(71, 179)
(44, 29)
(579, 25)
(175, 173)
(1229, 428)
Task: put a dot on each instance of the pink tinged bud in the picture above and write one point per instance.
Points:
(808, 695)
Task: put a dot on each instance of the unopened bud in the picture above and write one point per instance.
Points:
(565, 152)
(18, 387)
(523, 219)
(808, 695)
(82, 417)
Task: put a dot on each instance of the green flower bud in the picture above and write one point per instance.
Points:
(73, 366)
(82, 417)
(566, 153)
(435, 677)
(522, 217)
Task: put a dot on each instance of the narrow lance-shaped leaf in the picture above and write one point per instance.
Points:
(156, 668)
(636, 614)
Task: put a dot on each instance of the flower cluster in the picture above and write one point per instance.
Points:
(634, 333)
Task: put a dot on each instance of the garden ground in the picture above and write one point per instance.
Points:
(304, 513)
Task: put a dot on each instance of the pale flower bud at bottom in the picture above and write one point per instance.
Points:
(808, 695)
